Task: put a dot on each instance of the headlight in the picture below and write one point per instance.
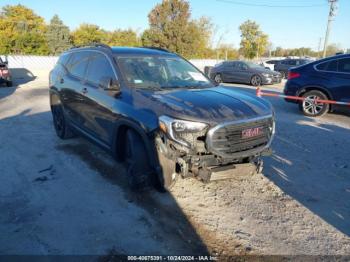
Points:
(180, 130)
(266, 75)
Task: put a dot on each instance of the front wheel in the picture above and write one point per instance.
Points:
(256, 80)
(310, 107)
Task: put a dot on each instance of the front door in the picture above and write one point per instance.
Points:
(98, 104)
(242, 72)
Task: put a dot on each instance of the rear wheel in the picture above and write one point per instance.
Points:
(283, 74)
(256, 80)
(139, 172)
(310, 107)
(60, 123)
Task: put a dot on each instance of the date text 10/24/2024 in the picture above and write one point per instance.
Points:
(172, 258)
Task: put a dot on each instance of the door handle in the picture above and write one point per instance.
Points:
(84, 90)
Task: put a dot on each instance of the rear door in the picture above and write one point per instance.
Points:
(98, 103)
(72, 86)
(343, 80)
(228, 71)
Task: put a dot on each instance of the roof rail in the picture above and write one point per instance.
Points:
(92, 45)
(156, 48)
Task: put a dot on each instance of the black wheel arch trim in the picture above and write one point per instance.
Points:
(147, 138)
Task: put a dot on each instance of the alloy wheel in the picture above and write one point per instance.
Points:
(312, 107)
(218, 79)
(256, 81)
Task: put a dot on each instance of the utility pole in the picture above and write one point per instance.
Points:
(331, 15)
(319, 48)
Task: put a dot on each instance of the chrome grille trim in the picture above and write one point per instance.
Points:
(245, 153)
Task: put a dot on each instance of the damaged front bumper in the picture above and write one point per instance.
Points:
(177, 160)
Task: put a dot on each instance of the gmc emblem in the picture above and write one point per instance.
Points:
(252, 132)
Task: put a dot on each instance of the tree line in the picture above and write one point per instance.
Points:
(171, 26)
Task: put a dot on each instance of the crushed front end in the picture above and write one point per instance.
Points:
(192, 149)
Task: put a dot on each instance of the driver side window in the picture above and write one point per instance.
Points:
(241, 66)
(98, 68)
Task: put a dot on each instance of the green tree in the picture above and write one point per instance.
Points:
(332, 49)
(87, 34)
(57, 36)
(123, 38)
(171, 27)
(22, 31)
(253, 41)
(225, 51)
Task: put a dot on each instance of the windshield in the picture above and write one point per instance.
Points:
(159, 72)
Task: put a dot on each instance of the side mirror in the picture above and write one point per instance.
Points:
(109, 84)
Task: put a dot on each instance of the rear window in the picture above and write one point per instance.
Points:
(331, 66)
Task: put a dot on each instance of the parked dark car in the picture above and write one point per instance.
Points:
(284, 65)
(243, 72)
(5, 74)
(159, 114)
(327, 78)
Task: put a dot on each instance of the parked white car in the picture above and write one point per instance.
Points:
(269, 64)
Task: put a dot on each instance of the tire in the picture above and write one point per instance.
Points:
(139, 172)
(9, 83)
(312, 109)
(62, 127)
(218, 78)
(283, 74)
(256, 80)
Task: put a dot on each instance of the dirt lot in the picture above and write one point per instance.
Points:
(70, 197)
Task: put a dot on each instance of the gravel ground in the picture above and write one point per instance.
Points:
(70, 197)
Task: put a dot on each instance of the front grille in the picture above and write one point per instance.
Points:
(226, 140)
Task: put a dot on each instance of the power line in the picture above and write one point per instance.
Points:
(269, 5)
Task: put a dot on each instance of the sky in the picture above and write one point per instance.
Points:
(289, 27)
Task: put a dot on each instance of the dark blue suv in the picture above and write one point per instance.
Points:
(159, 114)
(327, 78)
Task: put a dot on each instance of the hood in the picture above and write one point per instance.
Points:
(211, 105)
